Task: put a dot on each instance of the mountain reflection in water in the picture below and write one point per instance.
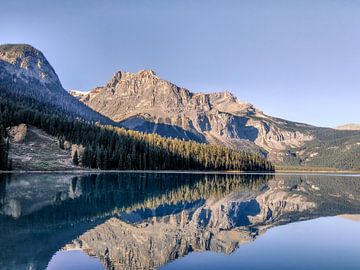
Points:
(146, 220)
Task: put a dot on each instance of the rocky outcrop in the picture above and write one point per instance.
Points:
(143, 101)
(77, 148)
(17, 133)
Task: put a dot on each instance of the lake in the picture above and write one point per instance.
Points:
(128, 220)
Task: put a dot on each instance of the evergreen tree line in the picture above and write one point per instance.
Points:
(109, 147)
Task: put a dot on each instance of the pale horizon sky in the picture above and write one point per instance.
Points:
(297, 60)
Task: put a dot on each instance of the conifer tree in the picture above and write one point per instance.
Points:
(85, 159)
(76, 158)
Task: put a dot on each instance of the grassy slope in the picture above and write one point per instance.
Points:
(40, 151)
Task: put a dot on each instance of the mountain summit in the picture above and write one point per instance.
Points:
(27, 63)
(24, 71)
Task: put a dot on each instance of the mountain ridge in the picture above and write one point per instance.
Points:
(144, 102)
(134, 99)
(350, 126)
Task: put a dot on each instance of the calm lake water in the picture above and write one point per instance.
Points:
(179, 221)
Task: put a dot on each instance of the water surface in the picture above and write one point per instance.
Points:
(179, 221)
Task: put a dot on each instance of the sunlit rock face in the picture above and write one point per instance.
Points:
(28, 64)
(145, 102)
(219, 224)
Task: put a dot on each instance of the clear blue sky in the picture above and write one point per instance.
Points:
(299, 60)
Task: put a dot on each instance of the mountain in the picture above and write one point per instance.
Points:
(144, 102)
(349, 127)
(25, 71)
(31, 94)
(147, 103)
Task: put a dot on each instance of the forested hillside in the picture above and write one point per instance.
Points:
(331, 148)
(108, 147)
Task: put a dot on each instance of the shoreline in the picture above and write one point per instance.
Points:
(278, 172)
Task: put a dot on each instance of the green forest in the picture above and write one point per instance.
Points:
(110, 147)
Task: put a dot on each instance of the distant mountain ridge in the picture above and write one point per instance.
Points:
(349, 127)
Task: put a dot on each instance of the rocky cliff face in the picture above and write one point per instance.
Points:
(27, 63)
(145, 102)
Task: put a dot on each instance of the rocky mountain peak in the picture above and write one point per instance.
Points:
(27, 63)
(115, 79)
(19, 54)
(124, 76)
(25, 71)
(146, 73)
